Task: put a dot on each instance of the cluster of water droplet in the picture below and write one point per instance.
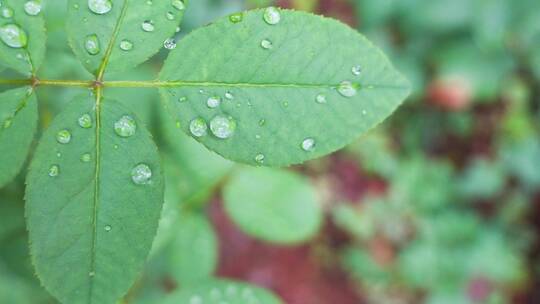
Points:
(229, 295)
(12, 33)
(101, 7)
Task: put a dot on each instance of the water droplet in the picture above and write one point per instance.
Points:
(364, 112)
(259, 158)
(141, 174)
(308, 144)
(178, 4)
(170, 16)
(7, 123)
(76, 6)
(125, 126)
(32, 8)
(286, 104)
(13, 36)
(196, 299)
(182, 99)
(262, 122)
(356, 70)
(148, 26)
(54, 170)
(85, 121)
(63, 137)
(272, 16)
(222, 127)
(346, 89)
(100, 7)
(321, 98)
(229, 96)
(169, 44)
(257, 136)
(236, 18)
(91, 44)
(86, 157)
(198, 127)
(58, 154)
(91, 274)
(126, 45)
(213, 102)
(7, 12)
(108, 228)
(266, 44)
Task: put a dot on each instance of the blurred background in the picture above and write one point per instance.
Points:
(438, 205)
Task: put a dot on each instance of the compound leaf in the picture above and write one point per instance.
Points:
(279, 91)
(22, 35)
(220, 291)
(120, 34)
(94, 197)
(273, 205)
(18, 122)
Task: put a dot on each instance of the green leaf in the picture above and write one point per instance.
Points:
(273, 205)
(220, 291)
(122, 23)
(92, 206)
(24, 52)
(18, 122)
(192, 254)
(269, 95)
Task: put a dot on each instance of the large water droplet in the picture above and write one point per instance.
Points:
(347, 89)
(178, 4)
(141, 174)
(272, 15)
(148, 26)
(91, 44)
(126, 45)
(100, 7)
(198, 127)
(321, 98)
(236, 18)
(13, 36)
(266, 44)
(63, 137)
(169, 44)
(54, 170)
(308, 144)
(213, 102)
(125, 126)
(356, 70)
(222, 127)
(7, 12)
(32, 8)
(85, 121)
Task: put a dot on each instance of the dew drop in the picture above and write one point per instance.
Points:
(259, 158)
(178, 4)
(356, 70)
(178, 29)
(262, 122)
(32, 8)
(54, 170)
(92, 274)
(13, 36)
(364, 112)
(321, 98)
(91, 44)
(7, 12)
(236, 18)
(141, 174)
(108, 228)
(100, 7)
(182, 99)
(229, 96)
(86, 157)
(222, 127)
(63, 137)
(272, 16)
(125, 126)
(85, 121)
(213, 102)
(169, 44)
(126, 45)
(148, 26)
(347, 89)
(308, 144)
(7, 123)
(266, 44)
(170, 16)
(198, 127)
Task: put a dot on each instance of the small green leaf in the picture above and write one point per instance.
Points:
(265, 94)
(192, 254)
(273, 205)
(222, 291)
(121, 33)
(22, 37)
(18, 122)
(94, 197)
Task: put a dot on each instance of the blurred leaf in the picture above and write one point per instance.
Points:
(365, 268)
(482, 179)
(272, 205)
